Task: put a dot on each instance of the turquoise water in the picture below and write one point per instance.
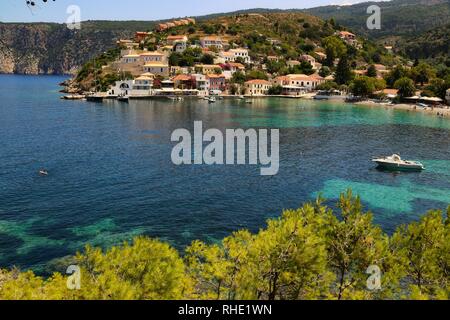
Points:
(111, 176)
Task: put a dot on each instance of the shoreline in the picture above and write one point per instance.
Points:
(431, 111)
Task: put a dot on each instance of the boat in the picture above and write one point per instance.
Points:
(95, 98)
(73, 97)
(396, 163)
(212, 99)
(123, 98)
(43, 172)
(329, 95)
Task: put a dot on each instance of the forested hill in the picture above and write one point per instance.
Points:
(433, 44)
(398, 17)
(51, 48)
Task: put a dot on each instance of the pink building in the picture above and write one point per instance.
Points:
(216, 82)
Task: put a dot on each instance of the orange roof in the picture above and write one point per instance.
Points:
(257, 81)
(182, 77)
(390, 91)
(236, 65)
(216, 76)
(151, 53)
(176, 37)
(346, 33)
(303, 77)
(212, 38)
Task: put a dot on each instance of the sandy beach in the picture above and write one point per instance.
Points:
(432, 111)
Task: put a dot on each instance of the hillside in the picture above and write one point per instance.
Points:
(433, 45)
(50, 48)
(399, 17)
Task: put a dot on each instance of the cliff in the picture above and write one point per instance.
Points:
(49, 48)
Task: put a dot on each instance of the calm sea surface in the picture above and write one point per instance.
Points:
(111, 176)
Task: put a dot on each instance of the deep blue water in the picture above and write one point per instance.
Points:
(111, 176)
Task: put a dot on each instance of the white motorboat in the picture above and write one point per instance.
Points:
(212, 99)
(396, 163)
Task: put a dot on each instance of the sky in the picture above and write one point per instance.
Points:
(56, 11)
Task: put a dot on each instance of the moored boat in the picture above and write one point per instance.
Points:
(123, 98)
(329, 95)
(95, 98)
(396, 163)
(73, 97)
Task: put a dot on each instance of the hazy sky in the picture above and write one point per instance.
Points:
(17, 10)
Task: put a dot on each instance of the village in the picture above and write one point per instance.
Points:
(153, 75)
(225, 69)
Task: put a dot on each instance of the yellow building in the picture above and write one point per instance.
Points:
(157, 68)
(257, 87)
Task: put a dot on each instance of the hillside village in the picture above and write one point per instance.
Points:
(256, 55)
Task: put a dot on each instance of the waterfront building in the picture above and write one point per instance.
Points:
(216, 82)
(257, 87)
(201, 83)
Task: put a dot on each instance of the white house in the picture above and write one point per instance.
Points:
(310, 59)
(212, 41)
(143, 85)
(180, 46)
(233, 54)
(240, 53)
(308, 83)
(202, 83)
(121, 88)
(130, 58)
(150, 56)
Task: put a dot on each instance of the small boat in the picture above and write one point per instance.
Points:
(396, 163)
(212, 99)
(241, 97)
(123, 98)
(43, 172)
(95, 98)
(73, 97)
(329, 95)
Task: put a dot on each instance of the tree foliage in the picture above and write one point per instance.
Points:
(308, 253)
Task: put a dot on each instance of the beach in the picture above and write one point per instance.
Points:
(434, 111)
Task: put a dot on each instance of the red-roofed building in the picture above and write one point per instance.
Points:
(184, 81)
(141, 36)
(348, 37)
(216, 82)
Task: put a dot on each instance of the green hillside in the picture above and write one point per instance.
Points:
(398, 17)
